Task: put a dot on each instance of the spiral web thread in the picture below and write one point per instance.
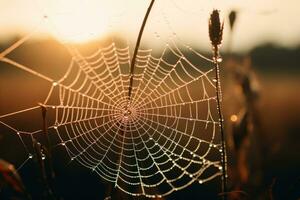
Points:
(163, 140)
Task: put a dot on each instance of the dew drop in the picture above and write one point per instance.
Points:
(54, 84)
(43, 157)
(30, 156)
(219, 59)
(200, 181)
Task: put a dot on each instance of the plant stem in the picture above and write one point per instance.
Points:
(221, 120)
(137, 48)
(45, 130)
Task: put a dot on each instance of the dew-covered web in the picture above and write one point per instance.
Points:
(163, 140)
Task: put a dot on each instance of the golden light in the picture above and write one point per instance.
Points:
(233, 118)
(76, 21)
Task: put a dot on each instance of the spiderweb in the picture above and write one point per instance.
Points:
(162, 140)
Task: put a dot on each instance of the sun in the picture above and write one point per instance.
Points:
(77, 21)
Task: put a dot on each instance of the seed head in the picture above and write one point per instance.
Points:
(232, 18)
(215, 28)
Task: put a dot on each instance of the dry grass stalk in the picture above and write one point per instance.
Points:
(216, 37)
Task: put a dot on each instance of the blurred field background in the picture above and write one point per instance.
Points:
(260, 82)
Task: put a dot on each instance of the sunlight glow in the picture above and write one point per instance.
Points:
(77, 21)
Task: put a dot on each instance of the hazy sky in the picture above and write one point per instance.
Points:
(258, 21)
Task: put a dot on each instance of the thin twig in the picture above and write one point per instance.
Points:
(136, 50)
(132, 65)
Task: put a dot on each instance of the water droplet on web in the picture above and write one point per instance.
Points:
(43, 156)
(214, 80)
(219, 59)
(54, 84)
(30, 156)
(200, 181)
(191, 175)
